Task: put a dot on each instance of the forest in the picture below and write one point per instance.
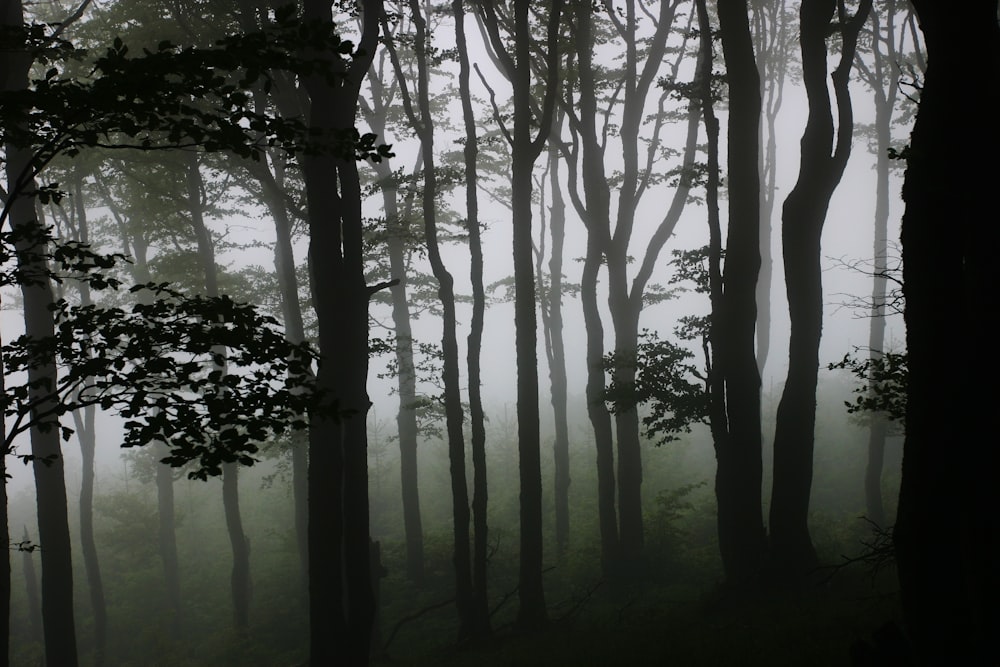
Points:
(619, 332)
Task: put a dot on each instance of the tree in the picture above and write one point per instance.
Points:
(398, 240)
(525, 149)
(948, 581)
(36, 290)
(882, 76)
(734, 379)
(341, 600)
(422, 121)
(821, 164)
(477, 415)
(610, 226)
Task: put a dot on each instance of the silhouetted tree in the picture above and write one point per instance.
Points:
(525, 149)
(947, 526)
(823, 157)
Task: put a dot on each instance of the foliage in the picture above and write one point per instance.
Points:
(160, 366)
(175, 97)
(662, 379)
(882, 383)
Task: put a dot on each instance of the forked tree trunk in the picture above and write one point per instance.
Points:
(822, 162)
(341, 599)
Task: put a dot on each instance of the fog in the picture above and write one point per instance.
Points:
(679, 586)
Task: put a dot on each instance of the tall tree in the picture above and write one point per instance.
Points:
(526, 146)
(398, 234)
(824, 152)
(84, 425)
(477, 415)
(610, 226)
(948, 580)
(38, 299)
(551, 306)
(734, 377)
(341, 600)
(881, 73)
(422, 121)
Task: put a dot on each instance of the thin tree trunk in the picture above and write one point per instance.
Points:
(421, 118)
(552, 312)
(769, 40)
(597, 204)
(85, 431)
(406, 416)
(397, 241)
(480, 547)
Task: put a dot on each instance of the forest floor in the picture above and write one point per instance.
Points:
(812, 624)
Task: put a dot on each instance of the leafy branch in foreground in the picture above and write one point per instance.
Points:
(158, 365)
(882, 386)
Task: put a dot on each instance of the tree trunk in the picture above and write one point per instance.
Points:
(597, 205)
(165, 510)
(406, 375)
(949, 582)
(422, 119)
(821, 166)
(480, 547)
(85, 431)
(770, 29)
(341, 599)
(738, 483)
(556, 354)
(525, 149)
(48, 462)
(397, 238)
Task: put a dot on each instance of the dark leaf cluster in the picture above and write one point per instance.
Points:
(159, 364)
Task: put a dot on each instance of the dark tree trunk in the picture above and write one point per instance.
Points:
(821, 166)
(948, 580)
(612, 247)
(525, 149)
(597, 205)
(341, 599)
(48, 462)
(734, 377)
(480, 549)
